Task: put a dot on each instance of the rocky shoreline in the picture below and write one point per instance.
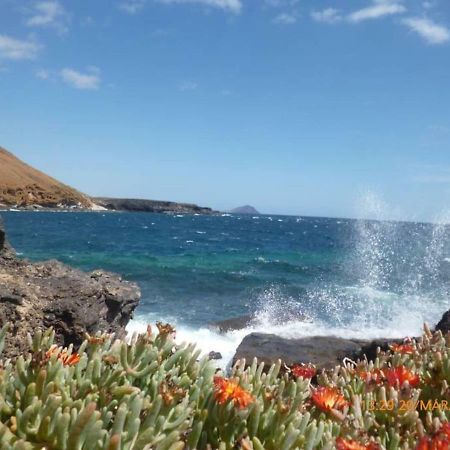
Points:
(51, 294)
(325, 352)
(152, 206)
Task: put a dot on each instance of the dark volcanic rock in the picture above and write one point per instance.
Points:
(444, 323)
(323, 351)
(214, 355)
(241, 322)
(236, 323)
(51, 294)
(153, 206)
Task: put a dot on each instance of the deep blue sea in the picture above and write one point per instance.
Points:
(351, 278)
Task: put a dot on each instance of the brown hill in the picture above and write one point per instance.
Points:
(22, 185)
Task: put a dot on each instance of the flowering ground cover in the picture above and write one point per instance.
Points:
(153, 394)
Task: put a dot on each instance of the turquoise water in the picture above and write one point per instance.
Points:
(347, 276)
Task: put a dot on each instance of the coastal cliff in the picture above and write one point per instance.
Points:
(36, 296)
(153, 206)
(24, 186)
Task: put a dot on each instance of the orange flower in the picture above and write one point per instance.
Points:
(433, 443)
(303, 370)
(399, 375)
(66, 358)
(405, 349)
(372, 376)
(227, 390)
(328, 398)
(345, 444)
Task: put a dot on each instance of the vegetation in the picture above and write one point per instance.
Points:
(152, 394)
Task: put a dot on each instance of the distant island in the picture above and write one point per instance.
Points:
(246, 209)
(24, 187)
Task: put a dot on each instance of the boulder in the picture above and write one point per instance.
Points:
(325, 352)
(444, 323)
(51, 294)
(241, 322)
(235, 323)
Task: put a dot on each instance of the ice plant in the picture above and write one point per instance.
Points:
(375, 376)
(405, 349)
(66, 358)
(328, 398)
(228, 390)
(350, 444)
(397, 376)
(303, 370)
(151, 392)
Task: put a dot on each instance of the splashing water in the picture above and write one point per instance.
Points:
(362, 278)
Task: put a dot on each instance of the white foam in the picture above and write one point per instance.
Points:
(208, 340)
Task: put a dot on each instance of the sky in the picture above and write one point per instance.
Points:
(304, 107)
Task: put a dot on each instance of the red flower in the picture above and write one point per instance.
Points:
(303, 370)
(399, 375)
(372, 376)
(405, 349)
(445, 430)
(345, 444)
(66, 358)
(328, 398)
(227, 390)
(433, 443)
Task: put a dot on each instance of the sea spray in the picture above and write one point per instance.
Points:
(371, 278)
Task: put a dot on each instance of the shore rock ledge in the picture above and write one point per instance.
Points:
(52, 294)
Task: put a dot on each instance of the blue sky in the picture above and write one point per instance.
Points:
(293, 106)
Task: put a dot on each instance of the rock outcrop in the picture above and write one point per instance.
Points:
(444, 323)
(324, 352)
(51, 294)
(153, 206)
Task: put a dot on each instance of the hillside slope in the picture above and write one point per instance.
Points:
(22, 185)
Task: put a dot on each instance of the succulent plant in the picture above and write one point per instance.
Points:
(150, 393)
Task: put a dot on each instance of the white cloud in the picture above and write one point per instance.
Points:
(328, 15)
(430, 31)
(188, 86)
(285, 19)
(48, 14)
(132, 6)
(281, 3)
(43, 74)
(79, 80)
(11, 48)
(379, 8)
(234, 6)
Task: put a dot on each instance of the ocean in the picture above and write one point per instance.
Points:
(351, 278)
